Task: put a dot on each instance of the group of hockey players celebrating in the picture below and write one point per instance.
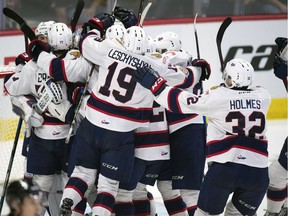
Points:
(140, 111)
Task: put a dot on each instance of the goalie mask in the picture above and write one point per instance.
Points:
(167, 41)
(238, 73)
(135, 40)
(60, 37)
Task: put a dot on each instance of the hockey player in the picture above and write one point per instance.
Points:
(237, 146)
(116, 107)
(187, 131)
(277, 190)
(30, 117)
(24, 199)
(47, 152)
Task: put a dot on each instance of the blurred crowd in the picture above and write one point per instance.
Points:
(62, 11)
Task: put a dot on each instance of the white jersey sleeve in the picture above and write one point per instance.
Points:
(72, 68)
(20, 83)
(179, 58)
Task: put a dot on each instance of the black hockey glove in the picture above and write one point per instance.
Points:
(281, 43)
(101, 22)
(150, 79)
(75, 91)
(22, 59)
(205, 66)
(35, 47)
(280, 65)
(127, 17)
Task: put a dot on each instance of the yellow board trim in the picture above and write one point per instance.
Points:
(278, 109)
(8, 129)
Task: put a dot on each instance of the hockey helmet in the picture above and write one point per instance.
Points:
(238, 73)
(167, 41)
(135, 40)
(115, 32)
(60, 37)
(43, 27)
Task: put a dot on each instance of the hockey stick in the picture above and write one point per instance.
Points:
(72, 125)
(10, 163)
(23, 25)
(114, 5)
(196, 37)
(77, 14)
(144, 13)
(140, 10)
(219, 38)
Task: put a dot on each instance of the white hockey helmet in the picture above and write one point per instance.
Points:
(60, 37)
(43, 27)
(238, 73)
(135, 40)
(115, 32)
(151, 45)
(167, 41)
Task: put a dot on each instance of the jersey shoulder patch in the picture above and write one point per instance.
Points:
(75, 53)
(214, 87)
(156, 55)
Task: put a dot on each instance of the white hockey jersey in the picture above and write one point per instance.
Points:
(27, 82)
(176, 120)
(72, 68)
(117, 102)
(152, 143)
(237, 121)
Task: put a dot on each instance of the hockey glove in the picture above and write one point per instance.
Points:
(35, 47)
(281, 43)
(280, 60)
(205, 66)
(63, 111)
(127, 17)
(150, 79)
(75, 91)
(101, 22)
(22, 59)
(280, 67)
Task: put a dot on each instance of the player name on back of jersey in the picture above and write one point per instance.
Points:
(126, 58)
(245, 104)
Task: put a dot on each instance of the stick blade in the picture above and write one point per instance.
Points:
(223, 28)
(219, 38)
(13, 15)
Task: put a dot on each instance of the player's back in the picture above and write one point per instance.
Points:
(121, 103)
(237, 125)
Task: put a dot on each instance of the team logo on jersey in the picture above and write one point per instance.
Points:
(164, 153)
(104, 122)
(76, 54)
(55, 133)
(15, 78)
(240, 157)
